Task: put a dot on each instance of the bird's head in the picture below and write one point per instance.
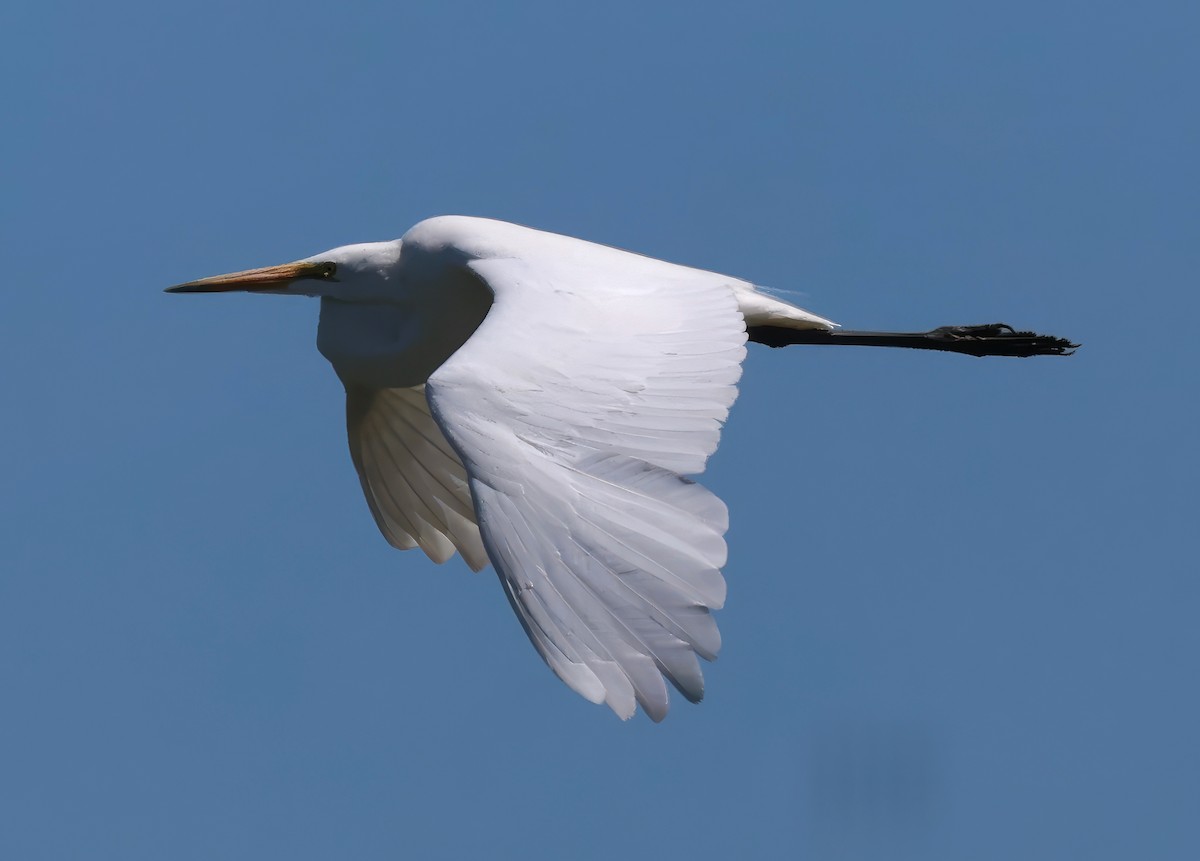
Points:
(367, 272)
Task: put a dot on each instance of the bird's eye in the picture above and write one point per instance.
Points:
(328, 270)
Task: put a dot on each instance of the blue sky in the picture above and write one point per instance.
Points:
(962, 593)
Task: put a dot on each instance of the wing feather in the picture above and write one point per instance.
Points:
(596, 382)
(415, 485)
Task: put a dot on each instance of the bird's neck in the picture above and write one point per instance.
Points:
(395, 345)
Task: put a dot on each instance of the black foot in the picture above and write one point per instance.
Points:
(1000, 339)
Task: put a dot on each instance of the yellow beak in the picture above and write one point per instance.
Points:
(266, 278)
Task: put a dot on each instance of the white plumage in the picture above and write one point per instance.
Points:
(537, 401)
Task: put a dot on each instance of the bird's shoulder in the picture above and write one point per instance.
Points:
(474, 238)
(464, 238)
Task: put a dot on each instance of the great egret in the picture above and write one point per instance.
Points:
(535, 401)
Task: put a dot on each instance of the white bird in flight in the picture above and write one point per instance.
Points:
(536, 402)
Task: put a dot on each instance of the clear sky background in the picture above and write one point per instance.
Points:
(962, 616)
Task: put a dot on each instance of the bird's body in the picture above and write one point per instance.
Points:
(423, 316)
(536, 401)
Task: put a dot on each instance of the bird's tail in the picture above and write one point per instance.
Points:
(991, 339)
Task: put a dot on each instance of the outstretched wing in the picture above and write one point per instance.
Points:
(596, 381)
(414, 482)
